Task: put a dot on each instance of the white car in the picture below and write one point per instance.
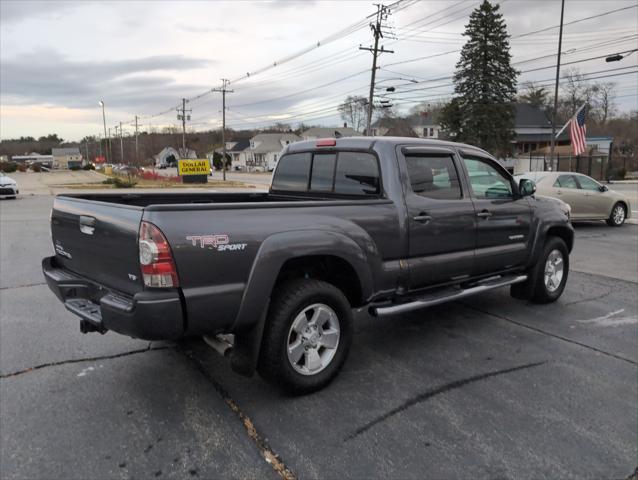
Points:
(8, 187)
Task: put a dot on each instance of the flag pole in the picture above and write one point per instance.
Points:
(570, 119)
(560, 46)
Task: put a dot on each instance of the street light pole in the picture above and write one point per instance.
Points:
(106, 148)
(560, 46)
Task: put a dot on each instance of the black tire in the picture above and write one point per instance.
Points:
(540, 292)
(614, 220)
(289, 300)
(534, 289)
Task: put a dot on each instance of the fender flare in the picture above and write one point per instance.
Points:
(273, 253)
(541, 235)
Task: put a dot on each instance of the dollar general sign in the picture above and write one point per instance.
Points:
(194, 167)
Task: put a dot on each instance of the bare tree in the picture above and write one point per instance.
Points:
(607, 107)
(535, 95)
(354, 111)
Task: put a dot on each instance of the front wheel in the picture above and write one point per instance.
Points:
(307, 336)
(617, 216)
(551, 271)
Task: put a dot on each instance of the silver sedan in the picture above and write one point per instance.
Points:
(588, 199)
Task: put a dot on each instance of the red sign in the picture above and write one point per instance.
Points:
(100, 159)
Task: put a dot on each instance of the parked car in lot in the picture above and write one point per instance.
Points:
(384, 224)
(8, 186)
(588, 199)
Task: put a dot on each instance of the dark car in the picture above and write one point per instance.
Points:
(384, 224)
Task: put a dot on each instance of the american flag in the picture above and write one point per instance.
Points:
(577, 131)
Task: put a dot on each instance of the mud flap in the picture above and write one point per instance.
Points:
(245, 355)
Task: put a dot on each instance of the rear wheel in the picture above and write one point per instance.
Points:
(617, 216)
(307, 336)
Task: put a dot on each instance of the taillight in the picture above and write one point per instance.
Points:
(156, 260)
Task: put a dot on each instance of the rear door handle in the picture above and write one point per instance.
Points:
(422, 218)
(484, 214)
(87, 224)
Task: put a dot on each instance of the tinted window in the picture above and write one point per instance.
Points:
(357, 174)
(434, 177)
(292, 172)
(565, 181)
(486, 180)
(587, 183)
(323, 171)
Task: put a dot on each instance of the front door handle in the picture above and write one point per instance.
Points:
(484, 214)
(422, 218)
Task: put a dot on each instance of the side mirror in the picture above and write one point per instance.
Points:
(603, 188)
(526, 187)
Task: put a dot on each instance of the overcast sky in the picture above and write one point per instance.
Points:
(58, 59)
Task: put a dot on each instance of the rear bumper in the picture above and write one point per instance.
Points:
(150, 315)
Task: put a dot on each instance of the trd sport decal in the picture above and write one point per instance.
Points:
(221, 243)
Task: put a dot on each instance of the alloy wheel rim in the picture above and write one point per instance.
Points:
(619, 214)
(554, 270)
(313, 339)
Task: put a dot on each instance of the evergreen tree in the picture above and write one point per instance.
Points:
(483, 111)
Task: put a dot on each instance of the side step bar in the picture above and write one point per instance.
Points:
(446, 296)
(222, 344)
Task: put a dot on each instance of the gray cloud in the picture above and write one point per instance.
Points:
(45, 76)
(14, 11)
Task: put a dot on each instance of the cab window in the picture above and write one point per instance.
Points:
(292, 173)
(357, 173)
(486, 180)
(433, 176)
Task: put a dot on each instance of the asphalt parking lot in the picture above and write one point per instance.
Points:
(489, 387)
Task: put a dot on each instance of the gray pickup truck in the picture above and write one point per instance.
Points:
(272, 279)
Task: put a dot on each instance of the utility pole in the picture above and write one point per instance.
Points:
(137, 155)
(560, 46)
(86, 147)
(106, 139)
(224, 91)
(381, 16)
(99, 138)
(183, 116)
(121, 143)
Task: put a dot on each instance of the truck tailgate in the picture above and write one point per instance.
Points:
(98, 240)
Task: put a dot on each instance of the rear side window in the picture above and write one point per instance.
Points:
(292, 173)
(357, 174)
(566, 181)
(434, 176)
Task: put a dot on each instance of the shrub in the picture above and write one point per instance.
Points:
(109, 181)
(8, 167)
(21, 167)
(123, 183)
(36, 167)
(88, 166)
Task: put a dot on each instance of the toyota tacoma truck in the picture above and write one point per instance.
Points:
(384, 225)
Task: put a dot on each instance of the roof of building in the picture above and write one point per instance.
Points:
(330, 132)
(271, 142)
(240, 145)
(531, 116)
(65, 151)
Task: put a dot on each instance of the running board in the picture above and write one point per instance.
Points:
(447, 296)
(221, 343)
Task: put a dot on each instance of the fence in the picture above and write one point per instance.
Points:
(599, 167)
